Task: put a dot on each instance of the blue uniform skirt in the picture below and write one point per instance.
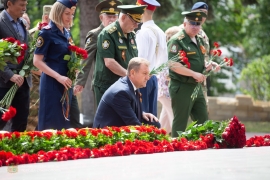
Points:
(50, 114)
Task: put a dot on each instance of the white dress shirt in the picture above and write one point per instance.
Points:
(147, 38)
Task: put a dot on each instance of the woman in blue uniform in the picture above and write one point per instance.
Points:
(52, 45)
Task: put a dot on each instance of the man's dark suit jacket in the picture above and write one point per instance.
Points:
(118, 106)
(7, 30)
(21, 99)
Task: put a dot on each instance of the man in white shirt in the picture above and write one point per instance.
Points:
(151, 44)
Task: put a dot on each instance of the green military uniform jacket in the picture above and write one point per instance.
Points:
(113, 44)
(205, 39)
(91, 48)
(195, 54)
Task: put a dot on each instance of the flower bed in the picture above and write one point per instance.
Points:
(34, 146)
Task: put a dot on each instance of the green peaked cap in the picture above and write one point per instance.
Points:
(194, 16)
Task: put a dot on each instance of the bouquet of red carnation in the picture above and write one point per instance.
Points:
(75, 65)
(225, 134)
(11, 50)
(179, 60)
(215, 53)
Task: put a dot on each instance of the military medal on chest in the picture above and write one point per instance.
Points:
(203, 49)
(132, 41)
(123, 55)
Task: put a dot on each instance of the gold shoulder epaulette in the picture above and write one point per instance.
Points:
(181, 36)
(112, 29)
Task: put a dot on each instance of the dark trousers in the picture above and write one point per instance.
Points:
(74, 115)
(149, 96)
(21, 103)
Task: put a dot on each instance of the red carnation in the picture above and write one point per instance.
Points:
(9, 114)
(10, 39)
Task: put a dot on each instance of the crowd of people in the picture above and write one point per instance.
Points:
(125, 93)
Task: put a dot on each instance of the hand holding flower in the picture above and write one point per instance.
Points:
(17, 79)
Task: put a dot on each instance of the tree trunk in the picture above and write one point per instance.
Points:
(89, 19)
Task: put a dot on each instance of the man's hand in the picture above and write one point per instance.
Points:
(216, 67)
(77, 89)
(199, 77)
(17, 79)
(149, 117)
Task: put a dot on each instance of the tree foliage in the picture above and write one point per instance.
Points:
(256, 79)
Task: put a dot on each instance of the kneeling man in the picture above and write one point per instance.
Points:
(121, 103)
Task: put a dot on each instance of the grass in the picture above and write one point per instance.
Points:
(261, 126)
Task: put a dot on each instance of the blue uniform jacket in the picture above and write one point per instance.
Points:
(118, 106)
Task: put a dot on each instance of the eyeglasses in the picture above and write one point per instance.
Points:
(194, 23)
(133, 21)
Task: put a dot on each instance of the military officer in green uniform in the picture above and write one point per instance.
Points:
(115, 47)
(184, 80)
(108, 14)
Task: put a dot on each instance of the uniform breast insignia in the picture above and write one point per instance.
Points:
(189, 53)
(112, 29)
(132, 41)
(174, 48)
(106, 44)
(120, 40)
(123, 55)
(203, 49)
(39, 42)
(88, 41)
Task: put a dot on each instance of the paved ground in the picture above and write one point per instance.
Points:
(233, 164)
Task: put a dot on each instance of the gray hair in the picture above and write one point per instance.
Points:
(135, 64)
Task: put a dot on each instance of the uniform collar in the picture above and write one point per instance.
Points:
(55, 28)
(11, 19)
(148, 23)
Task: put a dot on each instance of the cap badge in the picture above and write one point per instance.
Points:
(73, 8)
(111, 9)
(112, 3)
(198, 14)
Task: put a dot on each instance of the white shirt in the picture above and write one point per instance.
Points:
(146, 43)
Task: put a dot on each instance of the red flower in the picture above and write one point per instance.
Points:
(216, 44)
(10, 39)
(42, 25)
(73, 48)
(24, 46)
(9, 114)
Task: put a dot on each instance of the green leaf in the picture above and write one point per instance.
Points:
(67, 57)
(22, 72)
(25, 67)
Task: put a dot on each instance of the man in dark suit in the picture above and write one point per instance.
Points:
(12, 26)
(121, 103)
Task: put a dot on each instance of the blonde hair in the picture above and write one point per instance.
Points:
(135, 64)
(171, 31)
(57, 12)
